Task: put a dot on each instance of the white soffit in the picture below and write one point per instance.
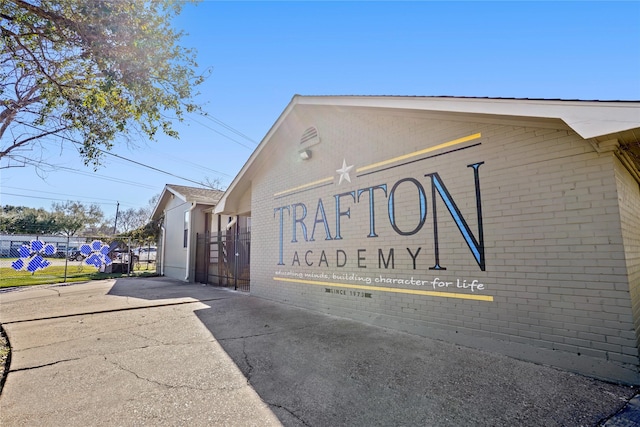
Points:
(588, 119)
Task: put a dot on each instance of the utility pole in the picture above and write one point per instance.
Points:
(116, 222)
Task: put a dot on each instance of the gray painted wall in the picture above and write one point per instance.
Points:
(557, 284)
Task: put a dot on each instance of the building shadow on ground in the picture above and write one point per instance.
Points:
(315, 370)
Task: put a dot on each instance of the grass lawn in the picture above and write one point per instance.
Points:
(55, 274)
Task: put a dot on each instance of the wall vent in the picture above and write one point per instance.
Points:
(310, 137)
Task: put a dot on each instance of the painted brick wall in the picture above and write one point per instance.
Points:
(629, 202)
(556, 277)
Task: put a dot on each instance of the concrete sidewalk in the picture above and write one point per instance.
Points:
(159, 352)
(89, 358)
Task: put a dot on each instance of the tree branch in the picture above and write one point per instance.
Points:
(25, 141)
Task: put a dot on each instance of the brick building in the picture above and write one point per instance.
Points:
(501, 224)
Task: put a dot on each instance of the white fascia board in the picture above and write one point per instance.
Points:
(162, 201)
(219, 209)
(221, 206)
(176, 193)
(589, 119)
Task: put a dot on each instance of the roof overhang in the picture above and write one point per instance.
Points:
(165, 196)
(589, 119)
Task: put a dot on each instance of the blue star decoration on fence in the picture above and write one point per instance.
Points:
(96, 253)
(31, 256)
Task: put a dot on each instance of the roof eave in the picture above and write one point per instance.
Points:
(589, 119)
(221, 207)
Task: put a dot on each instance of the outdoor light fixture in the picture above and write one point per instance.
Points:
(305, 154)
(309, 138)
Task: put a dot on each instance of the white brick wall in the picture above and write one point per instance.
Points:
(629, 204)
(555, 258)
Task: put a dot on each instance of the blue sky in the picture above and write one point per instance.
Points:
(263, 53)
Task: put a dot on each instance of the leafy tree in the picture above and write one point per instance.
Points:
(145, 230)
(24, 220)
(148, 233)
(74, 217)
(89, 71)
(105, 228)
(69, 218)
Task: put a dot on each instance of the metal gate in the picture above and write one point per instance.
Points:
(222, 259)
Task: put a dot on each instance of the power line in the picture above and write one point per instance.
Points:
(89, 198)
(204, 168)
(121, 157)
(47, 198)
(142, 164)
(150, 167)
(92, 175)
(110, 178)
(163, 171)
(220, 133)
(226, 126)
(174, 158)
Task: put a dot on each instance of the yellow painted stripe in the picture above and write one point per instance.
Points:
(418, 153)
(386, 162)
(320, 181)
(393, 290)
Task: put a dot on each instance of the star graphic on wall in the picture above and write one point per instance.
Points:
(344, 172)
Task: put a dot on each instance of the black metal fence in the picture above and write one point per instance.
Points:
(223, 259)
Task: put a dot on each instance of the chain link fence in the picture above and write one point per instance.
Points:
(42, 259)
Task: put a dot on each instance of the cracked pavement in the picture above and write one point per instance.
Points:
(82, 356)
(318, 370)
(159, 352)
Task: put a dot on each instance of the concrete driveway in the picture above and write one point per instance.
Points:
(82, 356)
(160, 352)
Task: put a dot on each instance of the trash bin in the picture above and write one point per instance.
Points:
(120, 267)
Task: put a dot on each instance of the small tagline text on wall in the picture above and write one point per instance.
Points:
(436, 283)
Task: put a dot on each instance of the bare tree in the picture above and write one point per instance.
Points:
(213, 183)
(130, 219)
